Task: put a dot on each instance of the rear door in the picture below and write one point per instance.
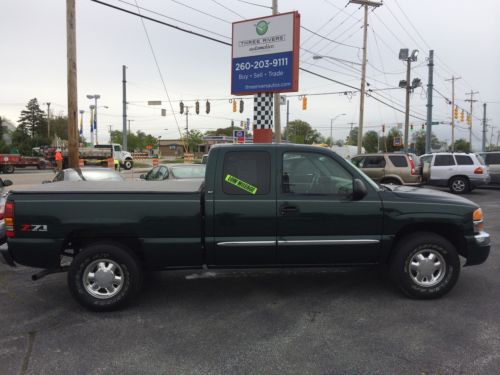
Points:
(318, 222)
(374, 167)
(493, 162)
(244, 217)
(442, 168)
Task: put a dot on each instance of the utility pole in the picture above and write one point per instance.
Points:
(129, 120)
(287, 117)
(92, 114)
(72, 87)
(187, 126)
(430, 88)
(124, 124)
(453, 79)
(365, 4)
(471, 100)
(498, 138)
(48, 120)
(276, 96)
(407, 106)
(483, 143)
(110, 140)
(491, 138)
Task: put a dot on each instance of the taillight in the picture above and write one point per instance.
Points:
(478, 170)
(9, 219)
(412, 166)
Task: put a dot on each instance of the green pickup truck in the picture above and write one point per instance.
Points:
(260, 206)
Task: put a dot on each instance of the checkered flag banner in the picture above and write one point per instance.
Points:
(263, 110)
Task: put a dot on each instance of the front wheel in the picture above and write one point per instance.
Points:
(425, 265)
(8, 168)
(459, 185)
(128, 164)
(104, 277)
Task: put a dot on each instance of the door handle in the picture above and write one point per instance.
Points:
(288, 210)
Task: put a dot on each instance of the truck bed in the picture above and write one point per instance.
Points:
(162, 219)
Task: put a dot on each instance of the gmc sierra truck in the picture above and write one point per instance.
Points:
(260, 205)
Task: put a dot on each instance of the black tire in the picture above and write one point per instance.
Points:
(128, 164)
(8, 169)
(459, 185)
(41, 166)
(404, 270)
(126, 267)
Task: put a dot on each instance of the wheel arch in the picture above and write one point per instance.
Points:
(448, 231)
(458, 175)
(392, 177)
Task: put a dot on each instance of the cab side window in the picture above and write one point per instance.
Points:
(443, 160)
(374, 162)
(314, 174)
(246, 173)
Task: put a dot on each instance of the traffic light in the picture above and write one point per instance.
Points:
(241, 105)
(304, 103)
(207, 107)
(423, 126)
(469, 119)
(234, 105)
(383, 128)
(197, 107)
(181, 105)
(462, 116)
(455, 112)
(411, 127)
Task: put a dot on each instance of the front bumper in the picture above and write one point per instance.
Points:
(5, 257)
(478, 248)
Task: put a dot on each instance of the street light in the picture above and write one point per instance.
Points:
(331, 127)
(318, 57)
(404, 55)
(95, 97)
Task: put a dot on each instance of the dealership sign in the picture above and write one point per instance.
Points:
(265, 54)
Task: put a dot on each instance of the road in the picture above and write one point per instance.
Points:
(297, 322)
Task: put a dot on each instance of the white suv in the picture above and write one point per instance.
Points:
(461, 172)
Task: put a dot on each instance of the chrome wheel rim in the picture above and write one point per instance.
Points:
(427, 268)
(103, 278)
(458, 185)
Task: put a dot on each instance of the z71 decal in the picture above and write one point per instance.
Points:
(33, 228)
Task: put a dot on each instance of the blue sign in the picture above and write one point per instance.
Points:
(262, 73)
(238, 136)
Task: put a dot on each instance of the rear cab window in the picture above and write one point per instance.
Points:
(246, 173)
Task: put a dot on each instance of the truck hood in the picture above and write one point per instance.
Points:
(417, 194)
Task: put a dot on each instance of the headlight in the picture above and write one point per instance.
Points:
(477, 218)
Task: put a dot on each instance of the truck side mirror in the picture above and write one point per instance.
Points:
(358, 189)
(142, 176)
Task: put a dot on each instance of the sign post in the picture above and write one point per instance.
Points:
(265, 60)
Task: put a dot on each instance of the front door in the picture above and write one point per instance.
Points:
(318, 222)
(244, 217)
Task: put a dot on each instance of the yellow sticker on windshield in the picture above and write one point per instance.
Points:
(241, 184)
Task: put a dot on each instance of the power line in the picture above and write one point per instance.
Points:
(257, 5)
(330, 40)
(228, 9)
(201, 11)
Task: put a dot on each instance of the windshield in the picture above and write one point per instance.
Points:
(188, 171)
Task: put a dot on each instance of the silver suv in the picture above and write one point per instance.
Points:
(461, 172)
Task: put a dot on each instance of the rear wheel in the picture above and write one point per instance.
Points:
(459, 185)
(425, 265)
(104, 277)
(393, 181)
(8, 168)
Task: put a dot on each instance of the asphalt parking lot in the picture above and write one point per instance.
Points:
(303, 322)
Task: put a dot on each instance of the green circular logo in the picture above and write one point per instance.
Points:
(262, 27)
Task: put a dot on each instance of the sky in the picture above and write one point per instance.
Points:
(465, 37)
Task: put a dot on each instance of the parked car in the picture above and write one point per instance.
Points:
(492, 161)
(177, 172)
(460, 172)
(390, 168)
(261, 205)
(3, 199)
(87, 174)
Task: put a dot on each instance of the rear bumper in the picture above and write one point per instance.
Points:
(480, 181)
(5, 256)
(478, 248)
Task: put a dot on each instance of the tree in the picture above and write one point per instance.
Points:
(194, 138)
(389, 140)
(299, 131)
(33, 119)
(339, 142)
(370, 141)
(418, 138)
(137, 141)
(461, 145)
(228, 132)
(3, 146)
(352, 139)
